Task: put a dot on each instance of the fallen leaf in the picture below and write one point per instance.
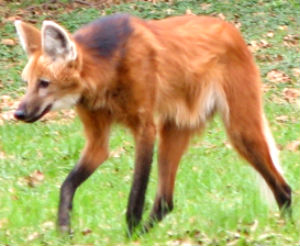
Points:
(291, 95)
(169, 11)
(254, 226)
(189, 12)
(279, 146)
(227, 144)
(7, 107)
(117, 152)
(269, 58)
(277, 76)
(255, 45)
(282, 118)
(264, 43)
(32, 236)
(181, 242)
(277, 99)
(282, 28)
(3, 222)
(86, 232)
(291, 40)
(205, 6)
(6, 116)
(293, 146)
(35, 178)
(267, 236)
(237, 24)
(8, 42)
(221, 16)
(296, 72)
(2, 154)
(12, 18)
(263, 57)
(266, 87)
(270, 34)
(278, 57)
(7, 101)
(48, 225)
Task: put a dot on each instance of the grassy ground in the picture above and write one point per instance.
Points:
(216, 200)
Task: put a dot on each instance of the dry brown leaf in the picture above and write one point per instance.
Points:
(136, 242)
(296, 72)
(227, 144)
(277, 76)
(2, 154)
(12, 18)
(35, 178)
(8, 42)
(86, 231)
(7, 101)
(169, 11)
(293, 146)
(3, 222)
(263, 57)
(221, 16)
(278, 58)
(282, 28)
(116, 153)
(6, 116)
(269, 58)
(254, 226)
(291, 95)
(181, 242)
(291, 40)
(237, 24)
(270, 34)
(282, 118)
(48, 225)
(266, 87)
(9, 105)
(255, 45)
(33, 236)
(205, 6)
(264, 44)
(277, 99)
(189, 12)
(265, 236)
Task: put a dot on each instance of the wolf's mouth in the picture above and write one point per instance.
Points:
(37, 117)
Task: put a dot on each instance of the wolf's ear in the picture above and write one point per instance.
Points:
(30, 37)
(57, 43)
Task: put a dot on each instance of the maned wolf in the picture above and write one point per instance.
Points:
(168, 76)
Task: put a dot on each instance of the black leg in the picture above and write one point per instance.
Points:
(161, 208)
(139, 185)
(76, 177)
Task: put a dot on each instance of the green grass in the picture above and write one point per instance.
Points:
(217, 200)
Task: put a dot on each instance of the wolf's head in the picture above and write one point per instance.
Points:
(51, 74)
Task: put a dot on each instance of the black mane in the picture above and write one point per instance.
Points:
(105, 35)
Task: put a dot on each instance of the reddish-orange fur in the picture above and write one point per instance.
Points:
(168, 76)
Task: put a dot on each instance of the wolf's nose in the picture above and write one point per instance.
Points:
(19, 114)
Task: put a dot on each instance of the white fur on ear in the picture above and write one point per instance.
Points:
(29, 36)
(20, 33)
(57, 43)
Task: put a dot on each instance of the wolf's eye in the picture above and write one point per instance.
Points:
(43, 83)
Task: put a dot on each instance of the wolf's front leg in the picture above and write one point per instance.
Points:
(96, 126)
